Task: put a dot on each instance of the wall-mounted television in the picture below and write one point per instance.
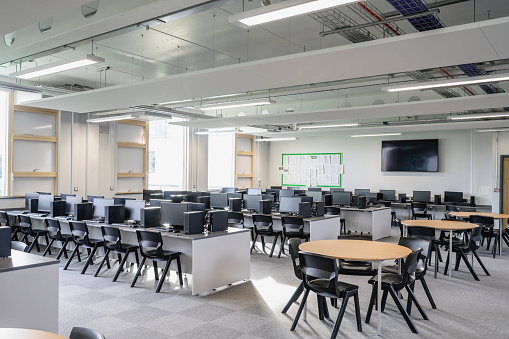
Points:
(410, 155)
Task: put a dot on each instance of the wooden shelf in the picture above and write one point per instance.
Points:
(244, 153)
(131, 144)
(244, 175)
(133, 122)
(35, 110)
(131, 175)
(31, 137)
(35, 174)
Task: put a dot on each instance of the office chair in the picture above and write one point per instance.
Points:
(420, 210)
(293, 227)
(81, 239)
(263, 226)
(25, 223)
(55, 234)
(85, 333)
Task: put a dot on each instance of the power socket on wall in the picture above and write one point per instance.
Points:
(75, 189)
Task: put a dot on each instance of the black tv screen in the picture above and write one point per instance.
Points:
(410, 155)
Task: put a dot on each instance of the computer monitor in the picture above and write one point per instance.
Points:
(99, 206)
(421, 196)
(228, 190)
(316, 195)
(234, 195)
(90, 198)
(389, 195)
(252, 201)
(336, 189)
(293, 188)
(270, 197)
(156, 202)
(299, 192)
(147, 193)
(183, 192)
(132, 209)
(272, 190)
(193, 196)
(454, 197)
(254, 190)
(277, 187)
(121, 201)
(307, 198)
(341, 198)
(172, 214)
(361, 191)
(286, 193)
(195, 206)
(168, 194)
(219, 200)
(45, 202)
(70, 202)
(289, 204)
(29, 196)
(314, 189)
(63, 196)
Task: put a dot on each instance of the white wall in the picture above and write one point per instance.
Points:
(465, 163)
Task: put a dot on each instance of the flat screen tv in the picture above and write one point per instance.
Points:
(410, 155)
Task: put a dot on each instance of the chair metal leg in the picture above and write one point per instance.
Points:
(76, 248)
(36, 243)
(470, 268)
(357, 311)
(294, 297)
(384, 299)
(340, 316)
(163, 275)
(36, 240)
(106, 257)
(137, 258)
(371, 302)
(481, 263)
(273, 245)
(319, 299)
(90, 260)
(428, 293)
(47, 242)
(301, 307)
(281, 247)
(63, 250)
(140, 266)
(156, 274)
(254, 242)
(457, 266)
(48, 248)
(411, 296)
(179, 271)
(402, 310)
(263, 243)
(120, 267)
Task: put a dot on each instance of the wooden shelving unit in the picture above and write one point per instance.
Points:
(143, 145)
(244, 164)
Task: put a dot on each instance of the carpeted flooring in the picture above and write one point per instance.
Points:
(466, 308)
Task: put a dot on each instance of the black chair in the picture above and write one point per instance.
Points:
(427, 233)
(333, 210)
(488, 231)
(236, 219)
(320, 275)
(356, 267)
(263, 227)
(393, 214)
(293, 227)
(25, 224)
(449, 209)
(85, 333)
(113, 243)
(151, 247)
(392, 283)
(81, 239)
(463, 249)
(420, 210)
(293, 245)
(415, 244)
(4, 221)
(19, 246)
(55, 234)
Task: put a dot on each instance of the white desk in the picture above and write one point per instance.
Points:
(375, 220)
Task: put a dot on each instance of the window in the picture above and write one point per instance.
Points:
(4, 104)
(221, 157)
(166, 155)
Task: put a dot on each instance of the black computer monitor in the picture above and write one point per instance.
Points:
(196, 206)
(90, 198)
(314, 189)
(308, 198)
(286, 193)
(219, 200)
(252, 201)
(341, 198)
(270, 197)
(228, 190)
(29, 196)
(336, 189)
(293, 188)
(276, 187)
(99, 206)
(454, 197)
(172, 214)
(157, 202)
(316, 195)
(421, 196)
(272, 190)
(63, 196)
(132, 209)
(234, 195)
(121, 201)
(147, 193)
(299, 192)
(251, 190)
(289, 204)
(361, 191)
(168, 194)
(193, 196)
(45, 202)
(389, 195)
(70, 202)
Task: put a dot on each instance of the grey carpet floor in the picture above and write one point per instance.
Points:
(466, 308)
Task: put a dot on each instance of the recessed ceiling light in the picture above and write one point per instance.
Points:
(329, 126)
(374, 135)
(57, 67)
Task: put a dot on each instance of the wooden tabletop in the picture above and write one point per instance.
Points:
(21, 333)
(468, 214)
(356, 249)
(440, 224)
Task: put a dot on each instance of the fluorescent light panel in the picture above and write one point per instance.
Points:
(277, 139)
(282, 10)
(113, 118)
(329, 126)
(217, 130)
(237, 104)
(493, 130)
(374, 135)
(477, 116)
(448, 83)
(57, 67)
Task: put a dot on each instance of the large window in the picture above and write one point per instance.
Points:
(4, 104)
(221, 157)
(167, 148)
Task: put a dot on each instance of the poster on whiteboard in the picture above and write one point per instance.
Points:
(312, 169)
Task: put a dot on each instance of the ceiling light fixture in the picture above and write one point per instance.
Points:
(477, 116)
(448, 83)
(493, 130)
(282, 10)
(237, 104)
(329, 126)
(277, 139)
(217, 130)
(112, 118)
(59, 66)
(374, 135)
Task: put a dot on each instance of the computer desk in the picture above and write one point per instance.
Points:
(374, 220)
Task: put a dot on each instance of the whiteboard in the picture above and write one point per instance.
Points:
(312, 169)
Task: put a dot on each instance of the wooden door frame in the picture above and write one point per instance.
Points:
(501, 188)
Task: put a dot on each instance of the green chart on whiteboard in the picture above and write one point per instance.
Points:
(312, 169)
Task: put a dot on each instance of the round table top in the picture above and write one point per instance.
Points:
(356, 249)
(22, 333)
(440, 224)
(468, 214)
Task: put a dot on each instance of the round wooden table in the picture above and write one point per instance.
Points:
(359, 250)
(22, 333)
(446, 225)
(497, 216)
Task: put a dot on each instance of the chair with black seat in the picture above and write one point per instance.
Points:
(85, 333)
(449, 209)
(415, 244)
(488, 231)
(333, 210)
(81, 239)
(393, 214)
(356, 267)
(392, 283)
(19, 246)
(25, 223)
(151, 247)
(4, 221)
(420, 210)
(320, 275)
(293, 227)
(263, 227)
(113, 243)
(427, 233)
(463, 249)
(55, 234)
(236, 219)
(293, 245)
